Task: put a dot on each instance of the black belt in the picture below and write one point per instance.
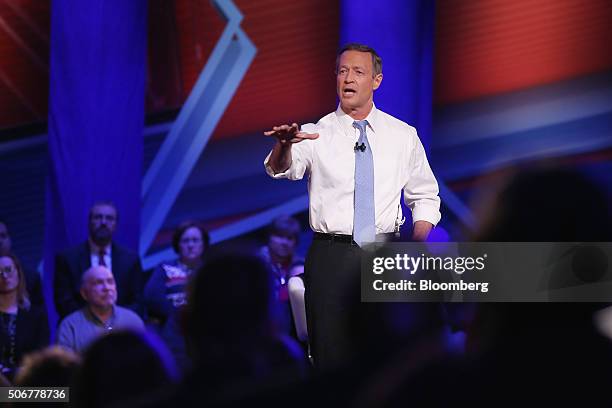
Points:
(348, 239)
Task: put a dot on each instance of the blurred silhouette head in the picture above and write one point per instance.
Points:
(123, 365)
(547, 205)
(51, 367)
(229, 304)
(541, 205)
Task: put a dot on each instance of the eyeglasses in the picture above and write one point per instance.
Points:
(8, 271)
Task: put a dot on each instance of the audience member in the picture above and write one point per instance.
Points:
(100, 314)
(533, 345)
(33, 281)
(231, 334)
(279, 254)
(165, 292)
(279, 251)
(52, 366)
(123, 367)
(23, 326)
(98, 250)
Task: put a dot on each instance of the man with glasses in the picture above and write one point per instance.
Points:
(98, 250)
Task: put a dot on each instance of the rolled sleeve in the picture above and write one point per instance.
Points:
(429, 213)
(421, 189)
(295, 171)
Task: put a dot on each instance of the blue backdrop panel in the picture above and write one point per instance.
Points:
(401, 31)
(96, 119)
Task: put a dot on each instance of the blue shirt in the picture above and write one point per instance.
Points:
(80, 328)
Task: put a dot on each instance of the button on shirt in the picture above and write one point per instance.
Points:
(400, 164)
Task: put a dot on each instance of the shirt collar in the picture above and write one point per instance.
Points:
(347, 121)
(106, 325)
(95, 249)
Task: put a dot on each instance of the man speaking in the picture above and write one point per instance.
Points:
(359, 161)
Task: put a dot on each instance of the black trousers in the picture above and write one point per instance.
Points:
(332, 282)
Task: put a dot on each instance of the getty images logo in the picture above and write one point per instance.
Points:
(412, 264)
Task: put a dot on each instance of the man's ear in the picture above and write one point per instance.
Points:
(377, 80)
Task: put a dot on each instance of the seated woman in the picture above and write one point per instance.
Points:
(23, 327)
(165, 294)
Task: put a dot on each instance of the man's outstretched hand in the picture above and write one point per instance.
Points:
(286, 134)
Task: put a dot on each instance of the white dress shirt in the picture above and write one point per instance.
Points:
(94, 255)
(400, 165)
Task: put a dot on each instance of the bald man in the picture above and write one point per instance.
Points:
(100, 314)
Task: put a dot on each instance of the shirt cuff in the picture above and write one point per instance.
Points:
(426, 213)
(294, 172)
(270, 171)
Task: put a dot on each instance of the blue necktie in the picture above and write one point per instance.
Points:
(364, 220)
